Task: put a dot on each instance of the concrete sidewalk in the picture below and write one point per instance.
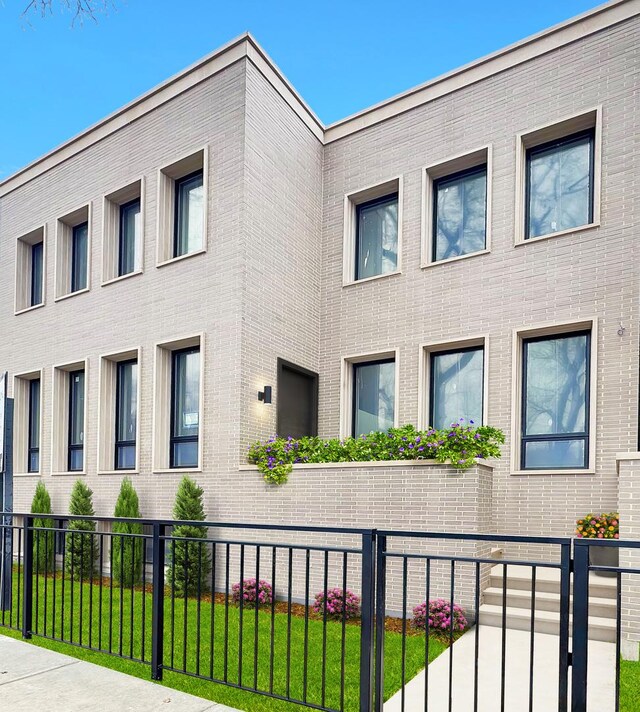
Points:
(601, 690)
(33, 678)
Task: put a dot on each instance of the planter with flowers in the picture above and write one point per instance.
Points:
(601, 526)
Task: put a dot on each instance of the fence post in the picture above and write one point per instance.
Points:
(381, 609)
(580, 626)
(157, 612)
(565, 597)
(367, 627)
(27, 581)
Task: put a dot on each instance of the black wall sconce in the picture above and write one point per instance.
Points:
(265, 396)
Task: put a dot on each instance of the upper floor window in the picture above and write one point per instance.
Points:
(185, 407)
(79, 254)
(76, 421)
(33, 455)
(37, 252)
(457, 386)
(560, 184)
(30, 270)
(126, 414)
(377, 237)
(555, 401)
(128, 237)
(189, 217)
(459, 213)
(373, 400)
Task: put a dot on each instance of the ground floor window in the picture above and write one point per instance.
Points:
(374, 386)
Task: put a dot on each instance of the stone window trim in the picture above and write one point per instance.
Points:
(467, 160)
(64, 234)
(21, 383)
(351, 202)
(346, 384)
(161, 409)
(557, 130)
(60, 417)
(424, 372)
(111, 202)
(24, 243)
(107, 411)
(195, 160)
(551, 329)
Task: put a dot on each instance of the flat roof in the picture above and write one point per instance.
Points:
(245, 46)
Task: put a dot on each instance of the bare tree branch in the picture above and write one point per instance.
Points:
(81, 9)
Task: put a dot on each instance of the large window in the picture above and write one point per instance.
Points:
(37, 252)
(33, 455)
(377, 237)
(459, 214)
(559, 185)
(79, 249)
(189, 215)
(374, 387)
(126, 414)
(76, 421)
(457, 386)
(555, 401)
(185, 407)
(128, 238)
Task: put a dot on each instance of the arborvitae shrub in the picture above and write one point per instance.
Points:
(190, 560)
(127, 552)
(81, 547)
(43, 541)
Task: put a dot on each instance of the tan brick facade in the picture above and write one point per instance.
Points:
(271, 281)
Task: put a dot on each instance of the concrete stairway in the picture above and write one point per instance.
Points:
(602, 602)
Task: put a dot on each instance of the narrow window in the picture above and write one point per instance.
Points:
(185, 409)
(126, 414)
(456, 389)
(377, 237)
(79, 245)
(373, 396)
(559, 185)
(36, 273)
(460, 214)
(189, 214)
(128, 236)
(33, 456)
(76, 421)
(555, 402)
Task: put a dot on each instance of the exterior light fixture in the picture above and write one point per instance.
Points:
(265, 395)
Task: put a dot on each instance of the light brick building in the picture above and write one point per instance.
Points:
(468, 248)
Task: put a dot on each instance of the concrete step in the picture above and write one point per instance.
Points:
(546, 601)
(548, 581)
(602, 629)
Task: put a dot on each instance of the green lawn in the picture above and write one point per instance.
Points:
(629, 686)
(97, 613)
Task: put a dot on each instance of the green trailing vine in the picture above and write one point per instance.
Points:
(460, 445)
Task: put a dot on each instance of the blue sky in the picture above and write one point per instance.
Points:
(341, 56)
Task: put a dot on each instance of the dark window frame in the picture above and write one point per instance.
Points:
(583, 435)
(75, 276)
(546, 147)
(443, 180)
(178, 183)
(122, 443)
(31, 449)
(36, 286)
(387, 198)
(446, 352)
(354, 368)
(177, 439)
(75, 447)
(281, 365)
(121, 235)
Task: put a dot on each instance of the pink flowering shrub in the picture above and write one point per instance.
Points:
(248, 587)
(439, 617)
(339, 604)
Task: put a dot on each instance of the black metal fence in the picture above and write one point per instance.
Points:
(170, 595)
